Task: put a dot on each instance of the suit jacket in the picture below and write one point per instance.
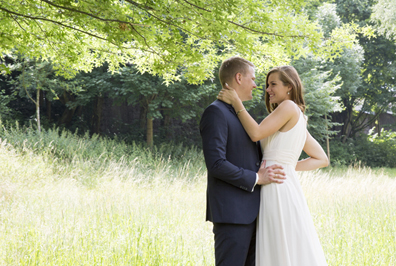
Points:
(232, 161)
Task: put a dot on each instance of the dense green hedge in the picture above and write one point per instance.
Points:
(371, 150)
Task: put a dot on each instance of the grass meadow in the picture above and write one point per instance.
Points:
(76, 200)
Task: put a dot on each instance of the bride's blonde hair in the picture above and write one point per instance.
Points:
(289, 76)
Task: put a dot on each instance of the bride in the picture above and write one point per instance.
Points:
(286, 235)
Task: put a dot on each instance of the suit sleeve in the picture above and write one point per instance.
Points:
(214, 133)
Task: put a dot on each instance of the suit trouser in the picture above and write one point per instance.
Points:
(235, 244)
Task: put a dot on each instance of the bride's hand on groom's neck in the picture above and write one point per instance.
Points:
(228, 95)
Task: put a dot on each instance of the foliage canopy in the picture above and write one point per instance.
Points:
(166, 38)
(384, 15)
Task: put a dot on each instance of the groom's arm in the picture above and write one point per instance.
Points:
(214, 133)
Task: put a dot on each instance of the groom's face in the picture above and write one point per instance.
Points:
(246, 84)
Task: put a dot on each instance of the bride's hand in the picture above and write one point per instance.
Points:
(228, 95)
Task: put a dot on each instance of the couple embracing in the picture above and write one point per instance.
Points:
(254, 200)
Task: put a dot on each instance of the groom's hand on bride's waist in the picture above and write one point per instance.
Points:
(270, 174)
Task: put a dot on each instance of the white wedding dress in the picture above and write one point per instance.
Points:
(286, 234)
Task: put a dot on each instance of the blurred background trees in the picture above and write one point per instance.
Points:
(147, 73)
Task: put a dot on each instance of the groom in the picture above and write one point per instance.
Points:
(234, 171)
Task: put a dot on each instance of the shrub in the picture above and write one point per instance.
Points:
(373, 150)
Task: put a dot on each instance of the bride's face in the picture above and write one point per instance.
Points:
(276, 90)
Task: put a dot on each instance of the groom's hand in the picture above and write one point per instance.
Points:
(270, 174)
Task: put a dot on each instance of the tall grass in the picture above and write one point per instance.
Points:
(70, 200)
(88, 159)
(67, 200)
(355, 215)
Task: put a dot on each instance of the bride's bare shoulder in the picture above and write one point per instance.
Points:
(288, 106)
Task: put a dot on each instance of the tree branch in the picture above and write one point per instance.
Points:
(358, 127)
(52, 21)
(29, 95)
(266, 33)
(197, 6)
(91, 15)
(242, 26)
(76, 29)
(19, 24)
(23, 85)
(165, 22)
(139, 5)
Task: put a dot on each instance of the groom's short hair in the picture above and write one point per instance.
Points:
(231, 66)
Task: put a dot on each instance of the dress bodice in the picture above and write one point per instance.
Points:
(286, 147)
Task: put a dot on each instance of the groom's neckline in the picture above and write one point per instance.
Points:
(226, 104)
(229, 106)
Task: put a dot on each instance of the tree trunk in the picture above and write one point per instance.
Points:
(97, 114)
(37, 102)
(41, 98)
(79, 111)
(38, 109)
(48, 105)
(167, 122)
(150, 140)
(67, 115)
(327, 141)
(346, 129)
(143, 117)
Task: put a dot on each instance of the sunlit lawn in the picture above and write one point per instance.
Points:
(120, 213)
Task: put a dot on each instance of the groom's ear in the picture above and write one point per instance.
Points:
(238, 78)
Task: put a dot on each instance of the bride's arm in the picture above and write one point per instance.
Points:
(272, 123)
(317, 159)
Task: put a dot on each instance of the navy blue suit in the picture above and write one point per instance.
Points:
(232, 161)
